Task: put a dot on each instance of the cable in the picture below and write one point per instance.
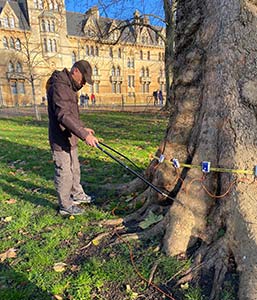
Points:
(139, 175)
(117, 152)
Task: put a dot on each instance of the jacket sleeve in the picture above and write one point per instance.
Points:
(66, 109)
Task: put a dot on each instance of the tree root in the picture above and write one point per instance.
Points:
(214, 256)
(157, 229)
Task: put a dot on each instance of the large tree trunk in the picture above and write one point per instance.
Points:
(215, 119)
(214, 95)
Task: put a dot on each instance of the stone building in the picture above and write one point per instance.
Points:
(39, 36)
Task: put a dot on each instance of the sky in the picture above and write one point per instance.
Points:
(120, 9)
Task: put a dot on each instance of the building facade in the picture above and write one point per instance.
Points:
(40, 36)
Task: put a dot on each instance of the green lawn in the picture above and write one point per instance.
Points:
(39, 238)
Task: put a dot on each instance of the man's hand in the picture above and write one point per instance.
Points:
(90, 139)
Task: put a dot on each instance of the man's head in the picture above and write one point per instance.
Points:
(82, 72)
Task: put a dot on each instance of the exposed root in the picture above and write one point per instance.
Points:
(214, 256)
(157, 229)
(135, 215)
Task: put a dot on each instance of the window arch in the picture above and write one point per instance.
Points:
(11, 21)
(113, 71)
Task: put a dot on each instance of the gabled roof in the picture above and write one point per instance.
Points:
(102, 26)
(17, 10)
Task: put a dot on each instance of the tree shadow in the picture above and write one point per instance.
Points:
(15, 286)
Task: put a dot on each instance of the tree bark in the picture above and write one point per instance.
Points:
(215, 119)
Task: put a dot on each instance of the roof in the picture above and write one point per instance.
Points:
(18, 9)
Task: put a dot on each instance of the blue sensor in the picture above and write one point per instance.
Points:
(176, 163)
(206, 165)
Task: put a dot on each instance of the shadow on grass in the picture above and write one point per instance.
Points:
(15, 286)
(28, 168)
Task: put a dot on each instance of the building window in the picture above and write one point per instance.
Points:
(92, 52)
(45, 45)
(54, 46)
(10, 67)
(12, 43)
(142, 72)
(132, 63)
(18, 44)
(96, 51)
(147, 72)
(113, 71)
(141, 55)
(118, 88)
(5, 42)
(12, 22)
(35, 4)
(14, 87)
(21, 87)
(18, 67)
(160, 56)
(43, 25)
(5, 21)
(148, 55)
(40, 4)
(131, 81)
(48, 26)
(73, 57)
(119, 53)
(114, 87)
(52, 26)
(118, 71)
(95, 71)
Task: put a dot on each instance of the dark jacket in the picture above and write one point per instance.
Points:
(65, 126)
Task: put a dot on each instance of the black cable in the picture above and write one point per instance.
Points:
(138, 175)
(117, 152)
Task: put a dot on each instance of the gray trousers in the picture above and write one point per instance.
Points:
(67, 177)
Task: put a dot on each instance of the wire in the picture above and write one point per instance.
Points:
(117, 152)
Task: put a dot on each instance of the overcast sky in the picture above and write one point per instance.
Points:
(119, 9)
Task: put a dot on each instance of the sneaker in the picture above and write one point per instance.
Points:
(85, 199)
(72, 210)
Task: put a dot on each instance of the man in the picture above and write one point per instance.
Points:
(65, 128)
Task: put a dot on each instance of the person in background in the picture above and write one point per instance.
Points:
(155, 98)
(160, 97)
(93, 100)
(65, 128)
(86, 99)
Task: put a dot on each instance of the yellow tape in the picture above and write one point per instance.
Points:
(223, 170)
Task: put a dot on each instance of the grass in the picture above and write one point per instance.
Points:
(41, 238)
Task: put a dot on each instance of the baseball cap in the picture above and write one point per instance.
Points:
(85, 69)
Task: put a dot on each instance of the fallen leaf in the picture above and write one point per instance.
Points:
(60, 267)
(7, 219)
(10, 253)
(150, 219)
(11, 201)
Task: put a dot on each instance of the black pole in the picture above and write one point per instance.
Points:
(137, 174)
